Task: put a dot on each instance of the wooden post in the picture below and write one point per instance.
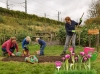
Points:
(89, 40)
(50, 37)
(79, 37)
(97, 43)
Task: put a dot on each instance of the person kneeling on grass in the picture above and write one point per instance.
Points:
(42, 44)
(9, 46)
(25, 47)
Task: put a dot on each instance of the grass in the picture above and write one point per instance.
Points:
(39, 68)
(23, 24)
(76, 72)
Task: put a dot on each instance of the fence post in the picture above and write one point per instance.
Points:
(97, 43)
(89, 40)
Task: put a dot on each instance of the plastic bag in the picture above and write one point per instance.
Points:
(31, 59)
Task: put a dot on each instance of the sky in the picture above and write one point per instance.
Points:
(50, 8)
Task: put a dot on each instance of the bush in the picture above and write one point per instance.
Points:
(85, 37)
(61, 35)
(21, 35)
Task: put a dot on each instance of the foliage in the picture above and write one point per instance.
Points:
(94, 13)
(23, 15)
(61, 35)
(80, 64)
(94, 9)
(1, 19)
(76, 72)
(84, 37)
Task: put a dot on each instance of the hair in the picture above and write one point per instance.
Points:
(12, 38)
(37, 39)
(28, 38)
(67, 18)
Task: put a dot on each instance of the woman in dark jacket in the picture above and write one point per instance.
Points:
(70, 31)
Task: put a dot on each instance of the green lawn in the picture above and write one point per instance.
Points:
(40, 68)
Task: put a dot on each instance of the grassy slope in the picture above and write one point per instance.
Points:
(41, 68)
(22, 24)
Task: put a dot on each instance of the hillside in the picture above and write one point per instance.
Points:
(23, 24)
(20, 24)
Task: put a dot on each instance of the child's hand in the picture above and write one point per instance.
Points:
(13, 54)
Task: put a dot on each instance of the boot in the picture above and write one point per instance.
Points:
(63, 53)
(4, 53)
(73, 51)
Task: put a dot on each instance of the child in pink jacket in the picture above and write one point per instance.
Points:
(9, 46)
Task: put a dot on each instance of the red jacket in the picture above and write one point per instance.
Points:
(8, 44)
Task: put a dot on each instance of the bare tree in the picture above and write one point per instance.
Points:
(94, 9)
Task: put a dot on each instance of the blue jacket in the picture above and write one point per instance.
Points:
(24, 42)
(71, 27)
(41, 42)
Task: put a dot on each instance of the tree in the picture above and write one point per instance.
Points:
(94, 9)
(94, 13)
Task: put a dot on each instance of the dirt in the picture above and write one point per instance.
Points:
(41, 59)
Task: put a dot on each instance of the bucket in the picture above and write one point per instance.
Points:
(88, 50)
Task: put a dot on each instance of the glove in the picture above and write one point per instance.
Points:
(73, 30)
(80, 19)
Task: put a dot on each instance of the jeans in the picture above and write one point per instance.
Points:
(26, 48)
(11, 50)
(68, 38)
(42, 49)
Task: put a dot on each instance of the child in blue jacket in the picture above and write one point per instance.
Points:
(42, 44)
(25, 47)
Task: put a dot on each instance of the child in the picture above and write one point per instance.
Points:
(9, 46)
(25, 47)
(42, 46)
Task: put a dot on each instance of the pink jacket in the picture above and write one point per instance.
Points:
(8, 44)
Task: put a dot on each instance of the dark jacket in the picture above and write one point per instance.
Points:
(41, 42)
(71, 27)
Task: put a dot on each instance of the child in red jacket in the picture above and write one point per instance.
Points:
(9, 46)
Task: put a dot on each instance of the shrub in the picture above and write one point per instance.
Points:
(61, 35)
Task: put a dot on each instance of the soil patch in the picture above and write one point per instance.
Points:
(41, 59)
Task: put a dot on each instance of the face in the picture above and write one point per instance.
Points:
(27, 40)
(36, 40)
(13, 41)
(68, 21)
